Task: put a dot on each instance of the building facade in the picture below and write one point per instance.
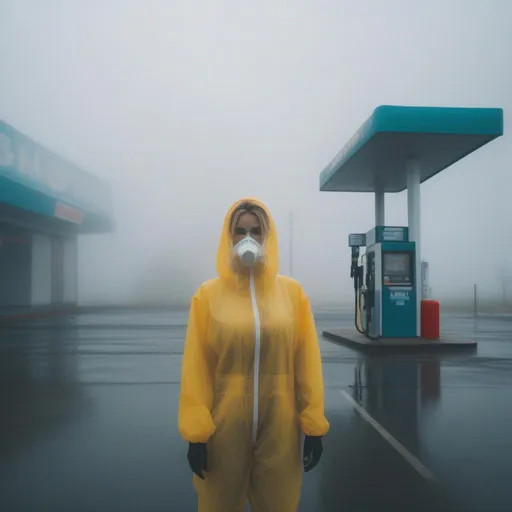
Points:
(46, 202)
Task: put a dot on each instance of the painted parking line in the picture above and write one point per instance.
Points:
(399, 447)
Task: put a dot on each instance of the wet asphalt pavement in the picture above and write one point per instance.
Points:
(88, 420)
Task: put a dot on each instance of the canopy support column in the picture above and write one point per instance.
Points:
(414, 222)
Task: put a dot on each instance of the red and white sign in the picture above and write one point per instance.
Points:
(66, 212)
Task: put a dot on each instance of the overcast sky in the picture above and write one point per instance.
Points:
(186, 106)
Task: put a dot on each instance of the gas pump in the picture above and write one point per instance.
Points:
(385, 283)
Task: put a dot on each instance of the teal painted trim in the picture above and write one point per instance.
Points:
(17, 195)
(32, 186)
(11, 141)
(439, 120)
(21, 192)
(24, 198)
(398, 246)
(486, 122)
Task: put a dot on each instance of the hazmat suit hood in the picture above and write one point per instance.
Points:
(225, 251)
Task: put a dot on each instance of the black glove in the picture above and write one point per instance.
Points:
(197, 458)
(313, 450)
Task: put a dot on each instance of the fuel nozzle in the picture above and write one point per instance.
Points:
(355, 260)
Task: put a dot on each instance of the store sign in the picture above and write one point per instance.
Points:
(393, 234)
(66, 212)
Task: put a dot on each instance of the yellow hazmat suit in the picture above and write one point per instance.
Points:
(251, 381)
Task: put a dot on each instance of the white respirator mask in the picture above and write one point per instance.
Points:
(248, 251)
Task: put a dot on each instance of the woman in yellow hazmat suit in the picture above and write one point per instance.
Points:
(251, 375)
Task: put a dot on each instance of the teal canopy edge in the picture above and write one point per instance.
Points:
(419, 120)
(34, 201)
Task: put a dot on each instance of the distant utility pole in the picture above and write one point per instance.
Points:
(290, 237)
(475, 300)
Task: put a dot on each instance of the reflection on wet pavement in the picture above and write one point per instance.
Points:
(89, 420)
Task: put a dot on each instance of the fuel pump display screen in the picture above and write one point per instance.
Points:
(396, 268)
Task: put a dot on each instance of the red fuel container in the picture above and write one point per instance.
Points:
(430, 319)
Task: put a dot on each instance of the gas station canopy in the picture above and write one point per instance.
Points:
(376, 156)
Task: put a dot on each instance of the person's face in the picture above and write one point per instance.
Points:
(247, 223)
